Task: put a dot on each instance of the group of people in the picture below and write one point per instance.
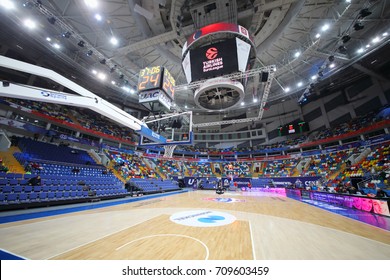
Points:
(31, 167)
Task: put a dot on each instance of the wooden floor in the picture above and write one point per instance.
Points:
(232, 226)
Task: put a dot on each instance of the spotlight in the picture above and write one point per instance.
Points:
(52, 20)
(365, 12)
(112, 69)
(342, 49)
(28, 5)
(345, 38)
(358, 26)
(331, 58)
(66, 35)
(81, 44)
(320, 74)
(89, 53)
(5, 84)
(103, 61)
(121, 76)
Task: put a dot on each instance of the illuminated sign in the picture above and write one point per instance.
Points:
(214, 60)
(149, 78)
(220, 27)
(293, 128)
(155, 95)
(148, 96)
(155, 78)
(169, 83)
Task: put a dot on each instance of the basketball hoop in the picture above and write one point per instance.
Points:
(168, 151)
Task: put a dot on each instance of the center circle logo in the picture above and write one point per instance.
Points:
(224, 199)
(211, 53)
(202, 218)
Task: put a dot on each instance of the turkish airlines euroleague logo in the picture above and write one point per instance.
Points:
(212, 53)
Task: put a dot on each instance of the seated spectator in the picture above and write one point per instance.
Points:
(352, 190)
(34, 181)
(76, 170)
(3, 168)
(28, 168)
(36, 167)
(380, 193)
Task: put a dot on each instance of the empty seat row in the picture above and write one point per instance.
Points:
(12, 198)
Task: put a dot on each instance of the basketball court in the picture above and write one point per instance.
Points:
(194, 225)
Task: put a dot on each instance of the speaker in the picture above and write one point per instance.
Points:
(5, 84)
(264, 77)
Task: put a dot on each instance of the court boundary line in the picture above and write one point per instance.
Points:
(12, 254)
(252, 241)
(168, 234)
(97, 239)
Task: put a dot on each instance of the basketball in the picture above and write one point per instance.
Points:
(211, 53)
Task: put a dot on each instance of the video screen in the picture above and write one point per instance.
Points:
(214, 60)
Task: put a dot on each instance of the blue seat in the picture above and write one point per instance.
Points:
(2, 199)
(37, 188)
(51, 195)
(33, 196)
(7, 189)
(66, 195)
(18, 189)
(23, 197)
(13, 182)
(43, 195)
(48, 182)
(73, 194)
(10, 175)
(3, 181)
(59, 195)
(28, 188)
(23, 182)
(12, 198)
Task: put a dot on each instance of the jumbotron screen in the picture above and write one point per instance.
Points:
(214, 60)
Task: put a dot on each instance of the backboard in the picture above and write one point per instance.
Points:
(176, 128)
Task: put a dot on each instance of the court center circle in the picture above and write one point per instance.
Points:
(202, 218)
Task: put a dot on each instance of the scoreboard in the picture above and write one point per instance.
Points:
(156, 77)
(293, 128)
(149, 78)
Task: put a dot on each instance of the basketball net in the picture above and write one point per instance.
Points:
(168, 151)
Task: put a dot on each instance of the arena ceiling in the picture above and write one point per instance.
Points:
(309, 41)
